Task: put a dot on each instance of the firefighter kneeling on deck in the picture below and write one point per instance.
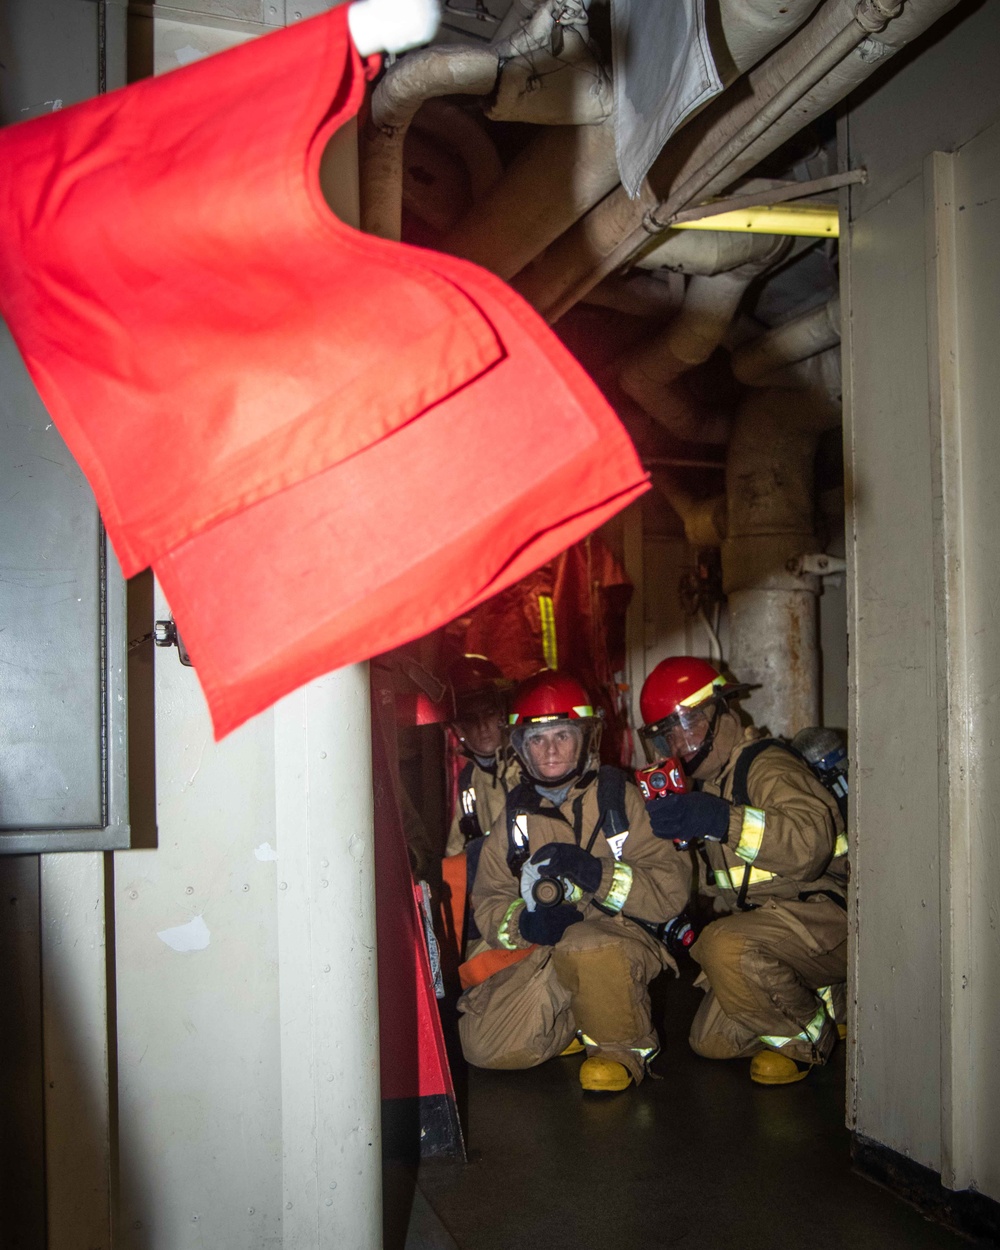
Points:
(771, 843)
(576, 972)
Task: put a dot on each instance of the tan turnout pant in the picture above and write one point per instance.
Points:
(595, 981)
(762, 970)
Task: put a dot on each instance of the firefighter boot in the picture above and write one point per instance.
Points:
(768, 1067)
(606, 1076)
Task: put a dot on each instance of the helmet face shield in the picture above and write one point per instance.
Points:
(681, 735)
(553, 752)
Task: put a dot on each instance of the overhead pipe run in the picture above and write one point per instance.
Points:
(574, 89)
(650, 374)
(616, 229)
(803, 336)
(707, 253)
(546, 188)
(567, 170)
(640, 294)
(451, 126)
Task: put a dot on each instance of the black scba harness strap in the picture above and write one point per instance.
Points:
(468, 822)
(524, 800)
(741, 798)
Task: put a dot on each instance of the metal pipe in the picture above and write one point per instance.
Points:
(704, 519)
(454, 129)
(546, 188)
(716, 171)
(573, 89)
(798, 339)
(708, 252)
(566, 171)
(772, 611)
(640, 294)
(613, 232)
(422, 75)
(650, 374)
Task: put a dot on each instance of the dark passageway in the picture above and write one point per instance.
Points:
(701, 1159)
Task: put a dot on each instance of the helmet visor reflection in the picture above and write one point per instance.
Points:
(680, 735)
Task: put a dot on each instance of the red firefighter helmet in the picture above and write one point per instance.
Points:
(680, 703)
(550, 696)
(544, 703)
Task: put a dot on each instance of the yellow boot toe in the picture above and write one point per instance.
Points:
(604, 1075)
(769, 1068)
(574, 1048)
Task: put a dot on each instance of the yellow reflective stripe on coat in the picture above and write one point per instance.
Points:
(503, 933)
(811, 1033)
(726, 881)
(826, 993)
(751, 834)
(621, 884)
(840, 846)
(547, 613)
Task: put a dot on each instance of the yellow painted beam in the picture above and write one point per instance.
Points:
(820, 221)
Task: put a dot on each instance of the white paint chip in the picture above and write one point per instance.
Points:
(188, 55)
(193, 936)
(265, 852)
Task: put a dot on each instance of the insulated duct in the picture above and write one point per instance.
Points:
(651, 374)
(809, 74)
(806, 335)
(563, 173)
(770, 511)
(543, 70)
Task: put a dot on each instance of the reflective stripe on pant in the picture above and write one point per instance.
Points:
(594, 981)
(763, 970)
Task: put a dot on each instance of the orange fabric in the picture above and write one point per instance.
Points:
(202, 329)
(484, 965)
(454, 877)
(325, 444)
(386, 546)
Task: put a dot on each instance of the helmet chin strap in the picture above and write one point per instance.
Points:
(691, 766)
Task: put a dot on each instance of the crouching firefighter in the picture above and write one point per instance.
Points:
(562, 898)
(771, 843)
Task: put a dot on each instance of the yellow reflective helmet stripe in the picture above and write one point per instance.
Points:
(704, 693)
(621, 884)
(503, 933)
(751, 834)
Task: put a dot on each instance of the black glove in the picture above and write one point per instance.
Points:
(546, 925)
(690, 818)
(562, 859)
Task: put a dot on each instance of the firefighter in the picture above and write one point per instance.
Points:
(572, 974)
(478, 688)
(772, 846)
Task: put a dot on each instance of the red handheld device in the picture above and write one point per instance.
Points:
(667, 777)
